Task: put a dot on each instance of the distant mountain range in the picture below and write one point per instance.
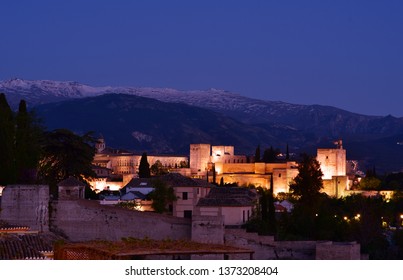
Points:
(168, 120)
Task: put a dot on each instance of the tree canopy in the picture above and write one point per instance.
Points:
(7, 148)
(162, 196)
(66, 154)
(308, 183)
(28, 138)
(20, 137)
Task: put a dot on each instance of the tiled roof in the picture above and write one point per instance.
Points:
(229, 196)
(134, 195)
(171, 179)
(23, 247)
(204, 183)
(136, 182)
(71, 182)
(178, 180)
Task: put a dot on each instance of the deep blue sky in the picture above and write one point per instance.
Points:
(344, 53)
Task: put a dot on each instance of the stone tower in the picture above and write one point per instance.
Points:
(199, 157)
(100, 145)
(332, 161)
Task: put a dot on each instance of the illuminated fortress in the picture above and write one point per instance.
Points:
(205, 160)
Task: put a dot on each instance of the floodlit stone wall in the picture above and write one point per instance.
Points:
(199, 157)
(332, 162)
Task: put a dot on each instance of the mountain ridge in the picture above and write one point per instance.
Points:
(301, 126)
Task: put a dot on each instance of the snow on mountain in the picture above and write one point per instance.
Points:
(208, 98)
(324, 120)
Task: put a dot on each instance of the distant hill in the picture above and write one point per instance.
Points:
(244, 120)
(144, 124)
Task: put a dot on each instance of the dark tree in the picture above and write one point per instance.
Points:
(158, 169)
(66, 154)
(7, 148)
(271, 209)
(257, 154)
(222, 182)
(162, 196)
(270, 155)
(144, 167)
(308, 183)
(214, 174)
(28, 137)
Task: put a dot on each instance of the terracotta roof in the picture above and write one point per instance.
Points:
(71, 182)
(229, 196)
(23, 247)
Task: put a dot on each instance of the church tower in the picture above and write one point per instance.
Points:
(100, 145)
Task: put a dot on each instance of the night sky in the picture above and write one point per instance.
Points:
(343, 53)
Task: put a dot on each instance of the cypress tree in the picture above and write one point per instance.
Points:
(27, 146)
(271, 209)
(257, 154)
(7, 150)
(144, 167)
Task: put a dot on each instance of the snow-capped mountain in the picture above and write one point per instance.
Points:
(320, 120)
(39, 92)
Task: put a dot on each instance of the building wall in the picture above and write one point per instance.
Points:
(82, 220)
(231, 216)
(26, 205)
(236, 216)
(180, 205)
(128, 163)
(222, 150)
(70, 193)
(336, 186)
(199, 157)
(189, 204)
(167, 161)
(332, 162)
(208, 229)
(338, 251)
(266, 248)
(259, 174)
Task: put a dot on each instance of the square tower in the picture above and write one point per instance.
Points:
(332, 161)
(199, 157)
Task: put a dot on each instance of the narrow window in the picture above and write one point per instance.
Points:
(184, 195)
(187, 214)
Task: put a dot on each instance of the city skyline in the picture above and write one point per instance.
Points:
(341, 54)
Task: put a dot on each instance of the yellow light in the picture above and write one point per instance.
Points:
(345, 218)
(358, 215)
(316, 215)
(401, 216)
